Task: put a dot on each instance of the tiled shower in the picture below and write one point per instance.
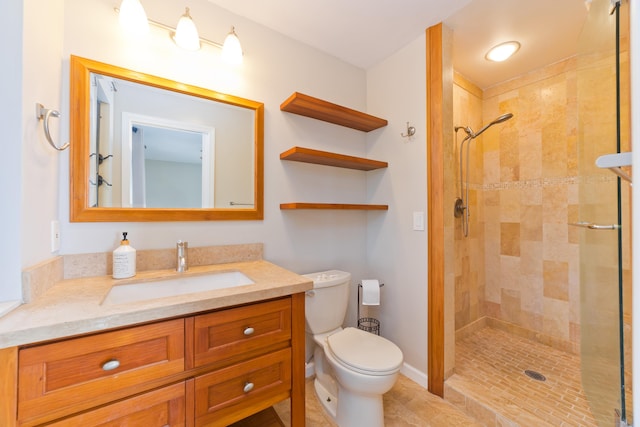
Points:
(519, 270)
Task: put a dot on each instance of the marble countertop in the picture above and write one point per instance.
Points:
(73, 307)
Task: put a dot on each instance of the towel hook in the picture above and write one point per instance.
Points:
(410, 131)
(44, 114)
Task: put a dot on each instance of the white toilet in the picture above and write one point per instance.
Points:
(353, 368)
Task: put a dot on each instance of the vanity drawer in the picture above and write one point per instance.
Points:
(230, 394)
(162, 407)
(71, 375)
(236, 334)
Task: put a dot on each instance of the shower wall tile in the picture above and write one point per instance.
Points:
(527, 196)
(555, 208)
(556, 318)
(554, 236)
(534, 321)
(492, 309)
(510, 205)
(531, 223)
(533, 194)
(531, 259)
(554, 149)
(532, 292)
(556, 280)
(529, 153)
(510, 272)
(574, 290)
(510, 308)
(509, 156)
(491, 166)
(510, 238)
(573, 216)
(469, 252)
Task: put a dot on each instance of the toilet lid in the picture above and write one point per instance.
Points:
(365, 351)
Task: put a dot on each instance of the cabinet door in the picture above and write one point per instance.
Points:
(65, 377)
(233, 393)
(158, 408)
(236, 334)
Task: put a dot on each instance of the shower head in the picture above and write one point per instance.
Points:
(502, 118)
(472, 134)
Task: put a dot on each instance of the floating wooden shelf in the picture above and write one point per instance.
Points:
(337, 206)
(315, 108)
(307, 155)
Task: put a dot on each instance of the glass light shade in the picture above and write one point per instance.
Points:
(231, 49)
(186, 35)
(133, 18)
(503, 51)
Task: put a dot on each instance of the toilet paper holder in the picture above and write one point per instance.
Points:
(368, 324)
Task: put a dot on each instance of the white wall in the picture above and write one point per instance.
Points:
(396, 254)
(42, 77)
(10, 141)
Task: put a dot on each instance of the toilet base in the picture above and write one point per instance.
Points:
(309, 369)
(328, 400)
(359, 410)
(355, 409)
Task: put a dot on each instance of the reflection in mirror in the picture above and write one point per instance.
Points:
(166, 166)
(151, 149)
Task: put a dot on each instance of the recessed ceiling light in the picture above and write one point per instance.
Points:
(502, 51)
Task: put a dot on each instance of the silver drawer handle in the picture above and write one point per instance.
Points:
(249, 331)
(248, 387)
(592, 226)
(111, 365)
(311, 293)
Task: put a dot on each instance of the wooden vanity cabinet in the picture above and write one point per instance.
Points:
(162, 407)
(69, 376)
(211, 369)
(249, 348)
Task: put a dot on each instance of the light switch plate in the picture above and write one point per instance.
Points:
(418, 221)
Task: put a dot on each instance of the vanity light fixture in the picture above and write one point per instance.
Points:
(185, 35)
(502, 52)
(232, 50)
(133, 18)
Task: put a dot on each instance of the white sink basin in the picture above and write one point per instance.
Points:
(181, 285)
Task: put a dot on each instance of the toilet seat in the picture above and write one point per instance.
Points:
(364, 352)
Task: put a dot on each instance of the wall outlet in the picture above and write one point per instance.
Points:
(55, 236)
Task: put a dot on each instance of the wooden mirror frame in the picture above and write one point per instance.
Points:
(79, 129)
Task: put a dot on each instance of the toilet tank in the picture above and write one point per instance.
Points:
(326, 304)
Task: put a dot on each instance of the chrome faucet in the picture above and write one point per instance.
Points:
(181, 252)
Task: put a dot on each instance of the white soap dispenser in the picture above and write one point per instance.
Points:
(124, 260)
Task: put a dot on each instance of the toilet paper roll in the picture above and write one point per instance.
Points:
(370, 292)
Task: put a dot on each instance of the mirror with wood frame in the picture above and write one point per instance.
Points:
(145, 148)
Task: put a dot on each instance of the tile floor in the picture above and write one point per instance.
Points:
(407, 404)
(490, 383)
(489, 388)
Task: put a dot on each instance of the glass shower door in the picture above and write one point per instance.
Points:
(603, 87)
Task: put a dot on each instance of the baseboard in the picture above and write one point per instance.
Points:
(414, 375)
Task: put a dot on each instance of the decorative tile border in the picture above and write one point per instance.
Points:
(542, 182)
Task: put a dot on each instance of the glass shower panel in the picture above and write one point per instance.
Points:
(602, 201)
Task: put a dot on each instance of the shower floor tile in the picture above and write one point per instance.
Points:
(490, 384)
